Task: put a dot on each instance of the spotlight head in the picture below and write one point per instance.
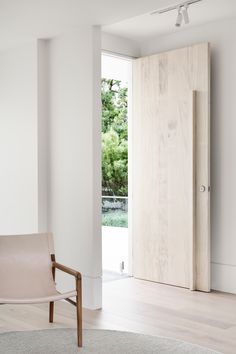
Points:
(185, 14)
(179, 18)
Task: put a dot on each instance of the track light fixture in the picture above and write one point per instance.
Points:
(182, 9)
(185, 14)
(179, 18)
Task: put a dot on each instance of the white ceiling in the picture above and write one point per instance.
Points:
(22, 20)
(141, 27)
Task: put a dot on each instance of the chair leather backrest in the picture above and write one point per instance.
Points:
(25, 266)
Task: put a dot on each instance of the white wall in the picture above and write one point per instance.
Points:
(120, 45)
(50, 176)
(221, 35)
(18, 140)
(43, 134)
(74, 155)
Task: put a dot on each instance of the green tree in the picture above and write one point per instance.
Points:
(114, 138)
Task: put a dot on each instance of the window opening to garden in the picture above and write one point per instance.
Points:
(116, 93)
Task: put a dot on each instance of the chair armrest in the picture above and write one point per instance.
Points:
(67, 270)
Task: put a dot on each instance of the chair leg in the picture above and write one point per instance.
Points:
(51, 312)
(51, 305)
(79, 312)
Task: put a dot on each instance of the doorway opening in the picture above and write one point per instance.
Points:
(116, 86)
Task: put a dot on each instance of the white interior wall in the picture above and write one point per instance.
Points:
(43, 134)
(18, 140)
(221, 35)
(50, 149)
(74, 158)
(120, 46)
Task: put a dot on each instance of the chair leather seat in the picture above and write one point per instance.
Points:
(26, 270)
(27, 274)
(54, 297)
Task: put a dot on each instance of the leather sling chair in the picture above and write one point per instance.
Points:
(27, 274)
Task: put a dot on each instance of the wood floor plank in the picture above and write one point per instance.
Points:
(144, 307)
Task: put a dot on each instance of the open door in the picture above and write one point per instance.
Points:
(171, 173)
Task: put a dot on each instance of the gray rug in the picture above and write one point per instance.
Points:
(63, 341)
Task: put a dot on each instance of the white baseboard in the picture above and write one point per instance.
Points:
(92, 292)
(223, 277)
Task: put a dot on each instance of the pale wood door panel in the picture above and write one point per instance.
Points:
(164, 198)
(171, 217)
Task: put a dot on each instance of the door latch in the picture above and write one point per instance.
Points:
(202, 189)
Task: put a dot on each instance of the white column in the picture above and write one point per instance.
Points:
(74, 156)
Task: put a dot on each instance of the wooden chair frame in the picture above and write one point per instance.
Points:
(77, 303)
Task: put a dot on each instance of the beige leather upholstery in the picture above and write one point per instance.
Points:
(26, 270)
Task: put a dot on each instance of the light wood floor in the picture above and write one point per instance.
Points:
(139, 306)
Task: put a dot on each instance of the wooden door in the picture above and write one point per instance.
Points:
(170, 159)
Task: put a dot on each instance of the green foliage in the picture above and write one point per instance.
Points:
(114, 138)
(115, 219)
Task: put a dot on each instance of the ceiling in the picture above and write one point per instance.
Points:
(145, 26)
(22, 20)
